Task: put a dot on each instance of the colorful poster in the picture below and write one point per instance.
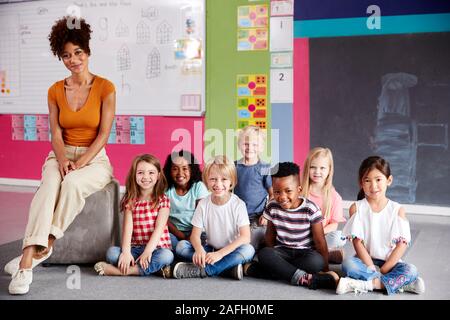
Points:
(137, 130)
(253, 39)
(251, 100)
(127, 130)
(112, 133)
(188, 49)
(17, 128)
(255, 16)
(30, 128)
(253, 32)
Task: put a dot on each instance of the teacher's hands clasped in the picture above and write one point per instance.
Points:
(66, 166)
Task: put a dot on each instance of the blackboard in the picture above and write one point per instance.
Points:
(387, 95)
(153, 51)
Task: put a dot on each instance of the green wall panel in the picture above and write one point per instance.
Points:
(224, 63)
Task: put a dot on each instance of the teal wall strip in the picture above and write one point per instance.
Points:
(358, 26)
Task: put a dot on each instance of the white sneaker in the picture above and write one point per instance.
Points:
(352, 285)
(417, 286)
(12, 266)
(20, 283)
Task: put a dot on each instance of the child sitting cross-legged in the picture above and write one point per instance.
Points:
(296, 249)
(223, 216)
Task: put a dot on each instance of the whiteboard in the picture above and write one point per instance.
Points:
(153, 52)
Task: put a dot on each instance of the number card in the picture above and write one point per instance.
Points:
(281, 86)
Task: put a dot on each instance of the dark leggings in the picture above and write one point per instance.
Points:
(282, 263)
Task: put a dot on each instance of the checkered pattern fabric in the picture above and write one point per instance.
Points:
(144, 220)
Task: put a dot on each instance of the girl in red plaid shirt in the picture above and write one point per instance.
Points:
(146, 246)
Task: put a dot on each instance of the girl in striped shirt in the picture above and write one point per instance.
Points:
(146, 246)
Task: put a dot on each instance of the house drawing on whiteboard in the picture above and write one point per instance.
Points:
(122, 30)
(142, 33)
(164, 33)
(153, 69)
(123, 58)
(397, 136)
(150, 13)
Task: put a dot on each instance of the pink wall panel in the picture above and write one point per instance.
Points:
(24, 159)
(301, 100)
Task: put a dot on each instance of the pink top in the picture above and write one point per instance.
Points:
(336, 213)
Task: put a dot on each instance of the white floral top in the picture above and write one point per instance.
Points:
(379, 231)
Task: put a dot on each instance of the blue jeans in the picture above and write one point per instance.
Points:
(257, 233)
(161, 257)
(335, 239)
(241, 255)
(400, 275)
(174, 240)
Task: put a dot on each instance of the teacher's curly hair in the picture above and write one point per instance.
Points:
(70, 29)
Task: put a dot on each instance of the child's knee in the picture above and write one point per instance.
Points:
(247, 251)
(182, 246)
(113, 254)
(348, 265)
(166, 256)
(411, 270)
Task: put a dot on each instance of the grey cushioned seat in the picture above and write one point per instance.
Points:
(93, 231)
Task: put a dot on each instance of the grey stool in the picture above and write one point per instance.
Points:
(92, 232)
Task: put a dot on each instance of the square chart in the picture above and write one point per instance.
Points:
(9, 56)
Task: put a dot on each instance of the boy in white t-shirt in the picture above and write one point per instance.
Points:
(223, 216)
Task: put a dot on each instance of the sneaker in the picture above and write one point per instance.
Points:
(324, 280)
(20, 283)
(13, 266)
(336, 256)
(237, 272)
(188, 270)
(417, 286)
(352, 285)
(165, 272)
(245, 268)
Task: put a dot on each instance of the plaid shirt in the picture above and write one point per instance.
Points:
(144, 220)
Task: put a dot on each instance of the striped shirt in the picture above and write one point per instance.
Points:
(293, 226)
(144, 221)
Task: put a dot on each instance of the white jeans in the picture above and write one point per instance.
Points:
(58, 201)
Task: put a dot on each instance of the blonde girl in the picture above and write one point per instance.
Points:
(317, 186)
(146, 246)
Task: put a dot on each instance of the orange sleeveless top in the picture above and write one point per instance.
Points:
(80, 128)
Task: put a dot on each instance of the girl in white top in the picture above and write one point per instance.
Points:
(317, 186)
(380, 234)
(223, 216)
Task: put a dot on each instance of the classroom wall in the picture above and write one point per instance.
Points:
(313, 20)
(24, 159)
(356, 66)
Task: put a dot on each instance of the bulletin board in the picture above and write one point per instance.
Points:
(153, 52)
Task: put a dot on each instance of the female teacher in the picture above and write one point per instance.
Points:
(81, 112)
